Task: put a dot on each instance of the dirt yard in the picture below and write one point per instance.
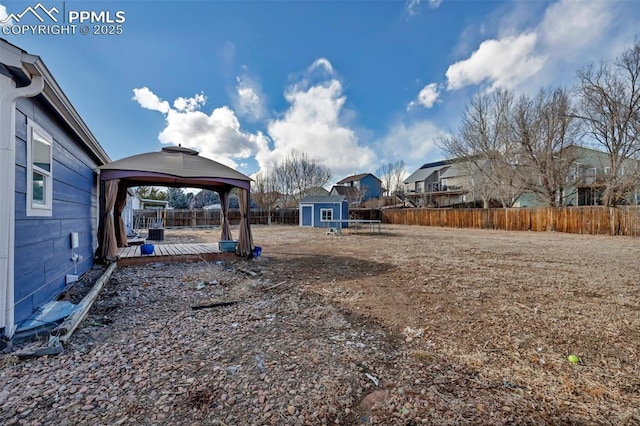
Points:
(414, 325)
(501, 309)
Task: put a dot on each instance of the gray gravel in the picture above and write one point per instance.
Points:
(280, 355)
(144, 356)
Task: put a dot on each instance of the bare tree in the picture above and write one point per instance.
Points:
(265, 190)
(391, 175)
(355, 194)
(485, 147)
(295, 175)
(545, 127)
(385, 173)
(610, 109)
(398, 171)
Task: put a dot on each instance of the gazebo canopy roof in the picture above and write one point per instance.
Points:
(174, 166)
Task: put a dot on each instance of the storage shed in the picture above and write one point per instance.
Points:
(326, 211)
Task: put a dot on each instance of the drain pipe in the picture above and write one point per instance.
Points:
(9, 94)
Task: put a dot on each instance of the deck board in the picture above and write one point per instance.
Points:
(171, 253)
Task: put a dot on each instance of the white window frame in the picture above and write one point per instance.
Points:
(322, 211)
(37, 209)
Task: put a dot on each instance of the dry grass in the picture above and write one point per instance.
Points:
(501, 309)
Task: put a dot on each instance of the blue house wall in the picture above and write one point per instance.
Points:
(373, 185)
(43, 244)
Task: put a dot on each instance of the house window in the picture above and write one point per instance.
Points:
(590, 176)
(39, 171)
(326, 215)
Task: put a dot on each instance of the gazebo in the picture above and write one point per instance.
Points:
(173, 167)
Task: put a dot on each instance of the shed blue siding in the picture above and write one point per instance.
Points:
(315, 209)
(42, 244)
(317, 218)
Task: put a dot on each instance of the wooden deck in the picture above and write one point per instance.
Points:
(172, 253)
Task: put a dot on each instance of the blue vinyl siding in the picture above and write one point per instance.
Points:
(335, 207)
(373, 187)
(42, 244)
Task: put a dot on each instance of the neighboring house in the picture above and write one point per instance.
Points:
(327, 211)
(448, 183)
(454, 186)
(49, 188)
(358, 188)
(587, 179)
(438, 184)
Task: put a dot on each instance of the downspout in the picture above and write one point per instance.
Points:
(8, 99)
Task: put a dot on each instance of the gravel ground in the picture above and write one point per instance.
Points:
(355, 329)
(145, 356)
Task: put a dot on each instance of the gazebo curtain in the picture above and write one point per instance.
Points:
(224, 204)
(121, 201)
(245, 239)
(109, 247)
(112, 231)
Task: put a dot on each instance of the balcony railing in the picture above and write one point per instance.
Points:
(435, 188)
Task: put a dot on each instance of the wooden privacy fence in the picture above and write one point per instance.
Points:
(207, 218)
(574, 220)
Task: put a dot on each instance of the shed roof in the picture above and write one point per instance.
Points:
(315, 199)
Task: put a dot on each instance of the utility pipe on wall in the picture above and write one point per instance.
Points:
(9, 94)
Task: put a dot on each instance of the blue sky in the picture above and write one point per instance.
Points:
(354, 84)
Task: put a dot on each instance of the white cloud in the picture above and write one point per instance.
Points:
(411, 7)
(314, 124)
(570, 26)
(248, 99)
(427, 96)
(322, 63)
(190, 104)
(147, 99)
(500, 63)
(569, 34)
(3, 16)
(217, 136)
(417, 138)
